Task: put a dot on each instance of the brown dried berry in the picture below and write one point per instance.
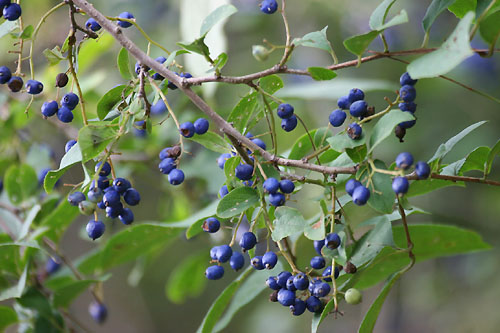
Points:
(273, 297)
(400, 133)
(350, 268)
(174, 152)
(61, 80)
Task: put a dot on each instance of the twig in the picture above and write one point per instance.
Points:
(407, 232)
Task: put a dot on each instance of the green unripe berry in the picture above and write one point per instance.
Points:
(260, 53)
(353, 296)
(87, 207)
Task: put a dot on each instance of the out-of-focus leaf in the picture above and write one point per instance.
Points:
(216, 16)
(124, 64)
(187, 279)
(212, 141)
(433, 11)
(20, 182)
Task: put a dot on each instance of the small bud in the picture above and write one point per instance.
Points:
(260, 53)
(61, 80)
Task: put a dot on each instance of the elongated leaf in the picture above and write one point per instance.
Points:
(383, 197)
(93, 138)
(342, 141)
(124, 64)
(453, 51)
(433, 11)
(377, 19)
(216, 16)
(7, 316)
(491, 156)
(110, 99)
(20, 182)
(59, 219)
(237, 201)
(385, 126)
(373, 242)
(212, 141)
(321, 73)
(425, 186)
(288, 222)
(302, 146)
(7, 26)
(17, 290)
(64, 295)
(187, 279)
(316, 39)
(73, 156)
(243, 111)
(462, 7)
(489, 28)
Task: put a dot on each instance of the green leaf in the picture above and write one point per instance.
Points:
(315, 228)
(187, 279)
(342, 141)
(94, 138)
(198, 46)
(243, 111)
(220, 61)
(288, 222)
(194, 221)
(17, 290)
(73, 156)
(220, 304)
(377, 19)
(453, 51)
(359, 43)
(214, 17)
(302, 146)
(316, 39)
(64, 295)
(491, 156)
(27, 32)
(489, 28)
(476, 160)
(7, 317)
(357, 154)
(237, 201)
(446, 147)
(53, 56)
(385, 126)
(172, 56)
(433, 11)
(92, 50)
(462, 7)
(382, 199)
(20, 182)
(124, 64)
(369, 246)
(7, 26)
(59, 219)
(110, 99)
(212, 141)
(271, 83)
(425, 186)
(321, 73)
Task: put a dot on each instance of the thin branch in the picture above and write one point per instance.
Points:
(407, 232)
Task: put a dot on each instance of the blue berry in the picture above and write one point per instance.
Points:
(211, 225)
(410, 106)
(408, 93)
(187, 129)
(125, 15)
(158, 108)
(95, 229)
(75, 198)
(337, 118)
(15, 84)
(358, 108)
(260, 143)
(221, 160)
(5, 74)
(140, 129)
(65, 115)
(132, 197)
(354, 131)
(400, 185)
(332, 241)
(98, 312)
(256, 262)
(248, 241)
(102, 183)
(50, 108)
(114, 211)
(213, 252)
(298, 308)
(271, 185)
(313, 304)
(201, 126)
(356, 94)
(41, 176)
(321, 289)
(406, 79)
(269, 260)
(126, 216)
(167, 165)
(101, 205)
(223, 191)
(351, 185)
(268, 6)
(283, 278)
(121, 185)
(214, 272)
(423, 170)
(318, 245)
(4, 3)
(272, 283)
(111, 198)
(404, 160)
(344, 103)
(176, 177)
(164, 153)
(407, 124)
(313, 284)
(105, 170)
(224, 253)
(289, 124)
(287, 186)
(244, 171)
(34, 87)
(300, 281)
(289, 284)
(158, 76)
(237, 261)
(317, 262)
(52, 266)
(186, 75)
(328, 272)
(360, 195)
(286, 297)
(276, 199)
(70, 100)
(12, 12)
(69, 145)
(95, 194)
(285, 111)
(92, 24)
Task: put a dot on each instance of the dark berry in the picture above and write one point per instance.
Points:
(5, 74)
(12, 12)
(201, 126)
(95, 194)
(300, 281)
(186, 75)
(350, 268)
(321, 289)
(157, 76)
(52, 266)
(318, 262)
(337, 118)
(34, 87)
(271, 185)
(400, 133)
(111, 198)
(354, 131)
(244, 171)
(65, 115)
(273, 297)
(121, 185)
(176, 177)
(423, 170)
(248, 241)
(408, 124)
(132, 197)
(166, 165)
(287, 186)
(95, 229)
(125, 15)
(105, 170)
(237, 261)
(298, 308)
(313, 304)
(15, 84)
(285, 111)
(75, 198)
(222, 160)
(269, 260)
(187, 129)
(50, 108)
(276, 199)
(114, 211)
(318, 245)
(332, 241)
(256, 262)
(356, 94)
(358, 108)
(360, 195)
(344, 103)
(92, 24)
(41, 176)
(268, 6)
(351, 185)
(102, 183)
(223, 253)
(410, 106)
(327, 273)
(404, 160)
(214, 272)
(313, 284)
(213, 252)
(283, 278)
(286, 297)
(126, 216)
(211, 225)
(62, 80)
(260, 143)
(406, 79)
(272, 283)
(101, 205)
(70, 100)
(408, 93)
(223, 191)
(158, 108)
(69, 145)
(400, 185)
(289, 284)
(289, 124)
(98, 312)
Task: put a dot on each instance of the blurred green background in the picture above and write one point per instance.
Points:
(458, 294)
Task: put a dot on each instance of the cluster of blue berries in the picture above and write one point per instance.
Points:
(359, 193)
(272, 185)
(188, 129)
(358, 108)
(9, 10)
(65, 111)
(15, 83)
(106, 196)
(289, 120)
(268, 6)
(168, 165)
(407, 93)
(404, 161)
